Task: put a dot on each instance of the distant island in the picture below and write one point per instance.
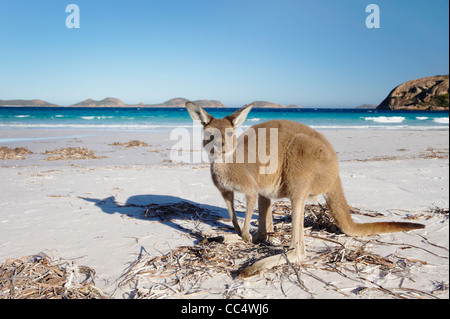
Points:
(367, 107)
(107, 102)
(180, 102)
(114, 102)
(172, 103)
(429, 93)
(32, 103)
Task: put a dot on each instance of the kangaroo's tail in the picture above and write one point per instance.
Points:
(340, 211)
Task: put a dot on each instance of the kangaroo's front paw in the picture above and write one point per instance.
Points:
(247, 237)
(259, 237)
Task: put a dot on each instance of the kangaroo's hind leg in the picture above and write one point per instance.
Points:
(297, 238)
(251, 203)
(265, 221)
(297, 248)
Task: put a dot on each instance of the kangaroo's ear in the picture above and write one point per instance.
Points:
(238, 117)
(198, 114)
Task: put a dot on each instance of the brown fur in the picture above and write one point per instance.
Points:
(307, 167)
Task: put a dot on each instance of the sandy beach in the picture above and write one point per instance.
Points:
(99, 211)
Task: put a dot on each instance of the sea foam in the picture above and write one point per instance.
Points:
(386, 119)
(441, 120)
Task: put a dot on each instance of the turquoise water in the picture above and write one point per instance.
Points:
(162, 119)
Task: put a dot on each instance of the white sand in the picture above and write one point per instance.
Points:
(70, 208)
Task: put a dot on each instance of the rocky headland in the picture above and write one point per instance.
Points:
(429, 93)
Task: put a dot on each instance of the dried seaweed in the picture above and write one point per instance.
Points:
(17, 153)
(180, 210)
(441, 211)
(430, 153)
(71, 153)
(41, 277)
(130, 144)
(182, 271)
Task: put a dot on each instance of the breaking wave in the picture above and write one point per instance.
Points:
(386, 119)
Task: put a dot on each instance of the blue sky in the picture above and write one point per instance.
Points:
(316, 53)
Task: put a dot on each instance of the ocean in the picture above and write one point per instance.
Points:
(165, 119)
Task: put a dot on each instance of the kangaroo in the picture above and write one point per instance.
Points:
(307, 166)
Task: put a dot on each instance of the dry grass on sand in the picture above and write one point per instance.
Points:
(41, 277)
(130, 144)
(71, 153)
(182, 272)
(17, 153)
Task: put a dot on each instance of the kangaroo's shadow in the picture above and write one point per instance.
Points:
(172, 211)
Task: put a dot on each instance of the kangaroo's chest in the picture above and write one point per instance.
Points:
(225, 180)
(234, 181)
